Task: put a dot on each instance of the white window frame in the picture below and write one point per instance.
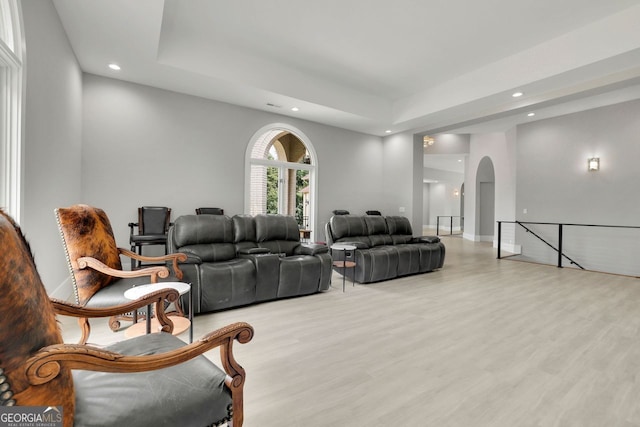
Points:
(11, 106)
(312, 168)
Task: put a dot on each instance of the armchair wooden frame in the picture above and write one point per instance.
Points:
(47, 363)
(121, 312)
(158, 298)
(36, 365)
(86, 234)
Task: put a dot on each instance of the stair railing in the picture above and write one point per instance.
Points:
(559, 251)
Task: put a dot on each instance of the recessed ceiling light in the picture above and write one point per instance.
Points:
(517, 94)
(531, 114)
(295, 109)
(459, 160)
(114, 67)
(388, 131)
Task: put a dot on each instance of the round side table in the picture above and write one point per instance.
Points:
(344, 263)
(180, 324)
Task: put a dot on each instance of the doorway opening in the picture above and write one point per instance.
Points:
(485, 200)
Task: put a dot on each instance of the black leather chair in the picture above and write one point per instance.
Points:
(153, 226)
(209, 211)
(374, 213)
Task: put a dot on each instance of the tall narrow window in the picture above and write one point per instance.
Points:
(11, 69)
(281, 176)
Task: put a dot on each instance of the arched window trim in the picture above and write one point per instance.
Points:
(11, 110)
(312, 168)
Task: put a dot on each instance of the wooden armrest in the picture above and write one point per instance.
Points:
(158, 298)
(66, 308)
(45, 365)
(153, 272)
(174, 258)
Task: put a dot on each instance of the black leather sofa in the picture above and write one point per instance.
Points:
(240, 260)
(386, 247)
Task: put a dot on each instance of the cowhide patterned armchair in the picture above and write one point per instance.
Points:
(97, 386)
(96, 270)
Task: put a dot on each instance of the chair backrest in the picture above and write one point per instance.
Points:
(153, 220)
(28, 324)
(209, 211)
(86, 232)
(374, 213)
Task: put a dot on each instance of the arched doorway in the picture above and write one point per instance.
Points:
(281, 169)
(485, 200)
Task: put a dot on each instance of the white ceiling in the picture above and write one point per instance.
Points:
(426, 66)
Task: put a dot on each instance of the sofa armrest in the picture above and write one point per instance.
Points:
(358, 244)
(311, 249)
(253, 251)
(426, 239)
(192, 257)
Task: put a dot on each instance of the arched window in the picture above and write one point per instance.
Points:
(11, 72)
(281, 170)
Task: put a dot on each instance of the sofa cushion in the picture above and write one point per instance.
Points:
(311, 249)
(202, 229)
(399, 225)
(401, 239)
(377, 229)
(244, 228)
(376, 225)
(276, 227)
(347, 226)
(427, 239)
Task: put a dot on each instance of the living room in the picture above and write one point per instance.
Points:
(77, 148)
(118, 144)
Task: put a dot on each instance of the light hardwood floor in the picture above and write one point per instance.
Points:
(481, 342)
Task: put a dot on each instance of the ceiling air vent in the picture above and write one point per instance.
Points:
(270, 104)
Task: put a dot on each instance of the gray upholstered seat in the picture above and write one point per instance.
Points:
(189, 394)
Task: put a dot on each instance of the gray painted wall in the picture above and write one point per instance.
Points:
(52, 139)
(402, 184)
(439, 197)
(553, 182)
(554, 186)
(147, 146)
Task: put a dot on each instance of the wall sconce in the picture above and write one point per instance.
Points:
(593, 164)
(427, 141)
(456, 193)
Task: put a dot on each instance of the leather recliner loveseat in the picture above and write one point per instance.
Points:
(386, 247)
(240, 260)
